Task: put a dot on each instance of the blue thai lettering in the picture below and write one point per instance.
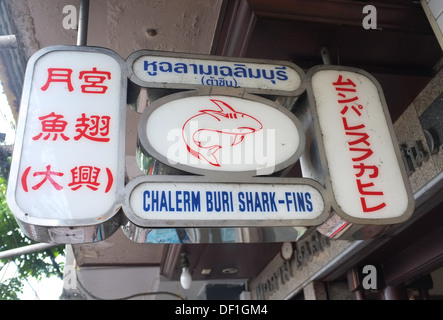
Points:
(225, 71)
(281, 73)
(194, 67)
(210, 81)
(227, 82)
(269, 77)
(146, 65)
(222, 82)
(180, 68)
(165, 66)
(226, 75)
(207, 72)
(257, 75)
(240, 70)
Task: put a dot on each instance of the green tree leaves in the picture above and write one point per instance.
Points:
(37, 264)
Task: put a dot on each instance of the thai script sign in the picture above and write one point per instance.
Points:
(155, 69)
(186, 201)
(209, 134)
(68, 164)
(367, 177)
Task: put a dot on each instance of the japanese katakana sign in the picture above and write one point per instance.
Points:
(360, 163)
(68, 165)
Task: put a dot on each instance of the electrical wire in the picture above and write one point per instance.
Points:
(130, 296)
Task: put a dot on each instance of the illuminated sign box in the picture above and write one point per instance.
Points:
(169, 70)
(186, 201)
(67, 173)
(213, 134)
(360, 161)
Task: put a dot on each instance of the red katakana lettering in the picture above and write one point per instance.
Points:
(48, 173)
(371, 209)
(340, 82)
(346, 92)
(95, 128)
(345, 109)
(346, 100)
(94, 79)
(362, 169)
(52, 123)
(364, 138)
(85, 175)
(362, 186)
(347, 127)
(59, 75)
(367, 153)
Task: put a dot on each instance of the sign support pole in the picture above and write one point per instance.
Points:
(26, 249)
(82, 34)
(326, 57)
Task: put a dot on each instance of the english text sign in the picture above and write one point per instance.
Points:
(165, 201)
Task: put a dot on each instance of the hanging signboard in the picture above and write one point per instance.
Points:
(213, 134)
(184, 201)
(156, 69)
(67, 173)
(358, 153)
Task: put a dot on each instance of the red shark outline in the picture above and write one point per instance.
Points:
(225, 113)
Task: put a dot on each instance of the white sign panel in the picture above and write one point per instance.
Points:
(366, 172)
(153, 69)
(182, 202)
(206, 134)
(68, 162)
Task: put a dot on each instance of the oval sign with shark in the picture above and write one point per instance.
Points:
(207, 134)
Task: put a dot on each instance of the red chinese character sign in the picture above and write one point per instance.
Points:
(361, 164)
(68, 164)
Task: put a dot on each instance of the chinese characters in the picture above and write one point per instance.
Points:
(93, 127)
(94, 79)
(55, 126)
(81, 176)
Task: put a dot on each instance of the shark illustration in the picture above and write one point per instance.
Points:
(203, 143)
